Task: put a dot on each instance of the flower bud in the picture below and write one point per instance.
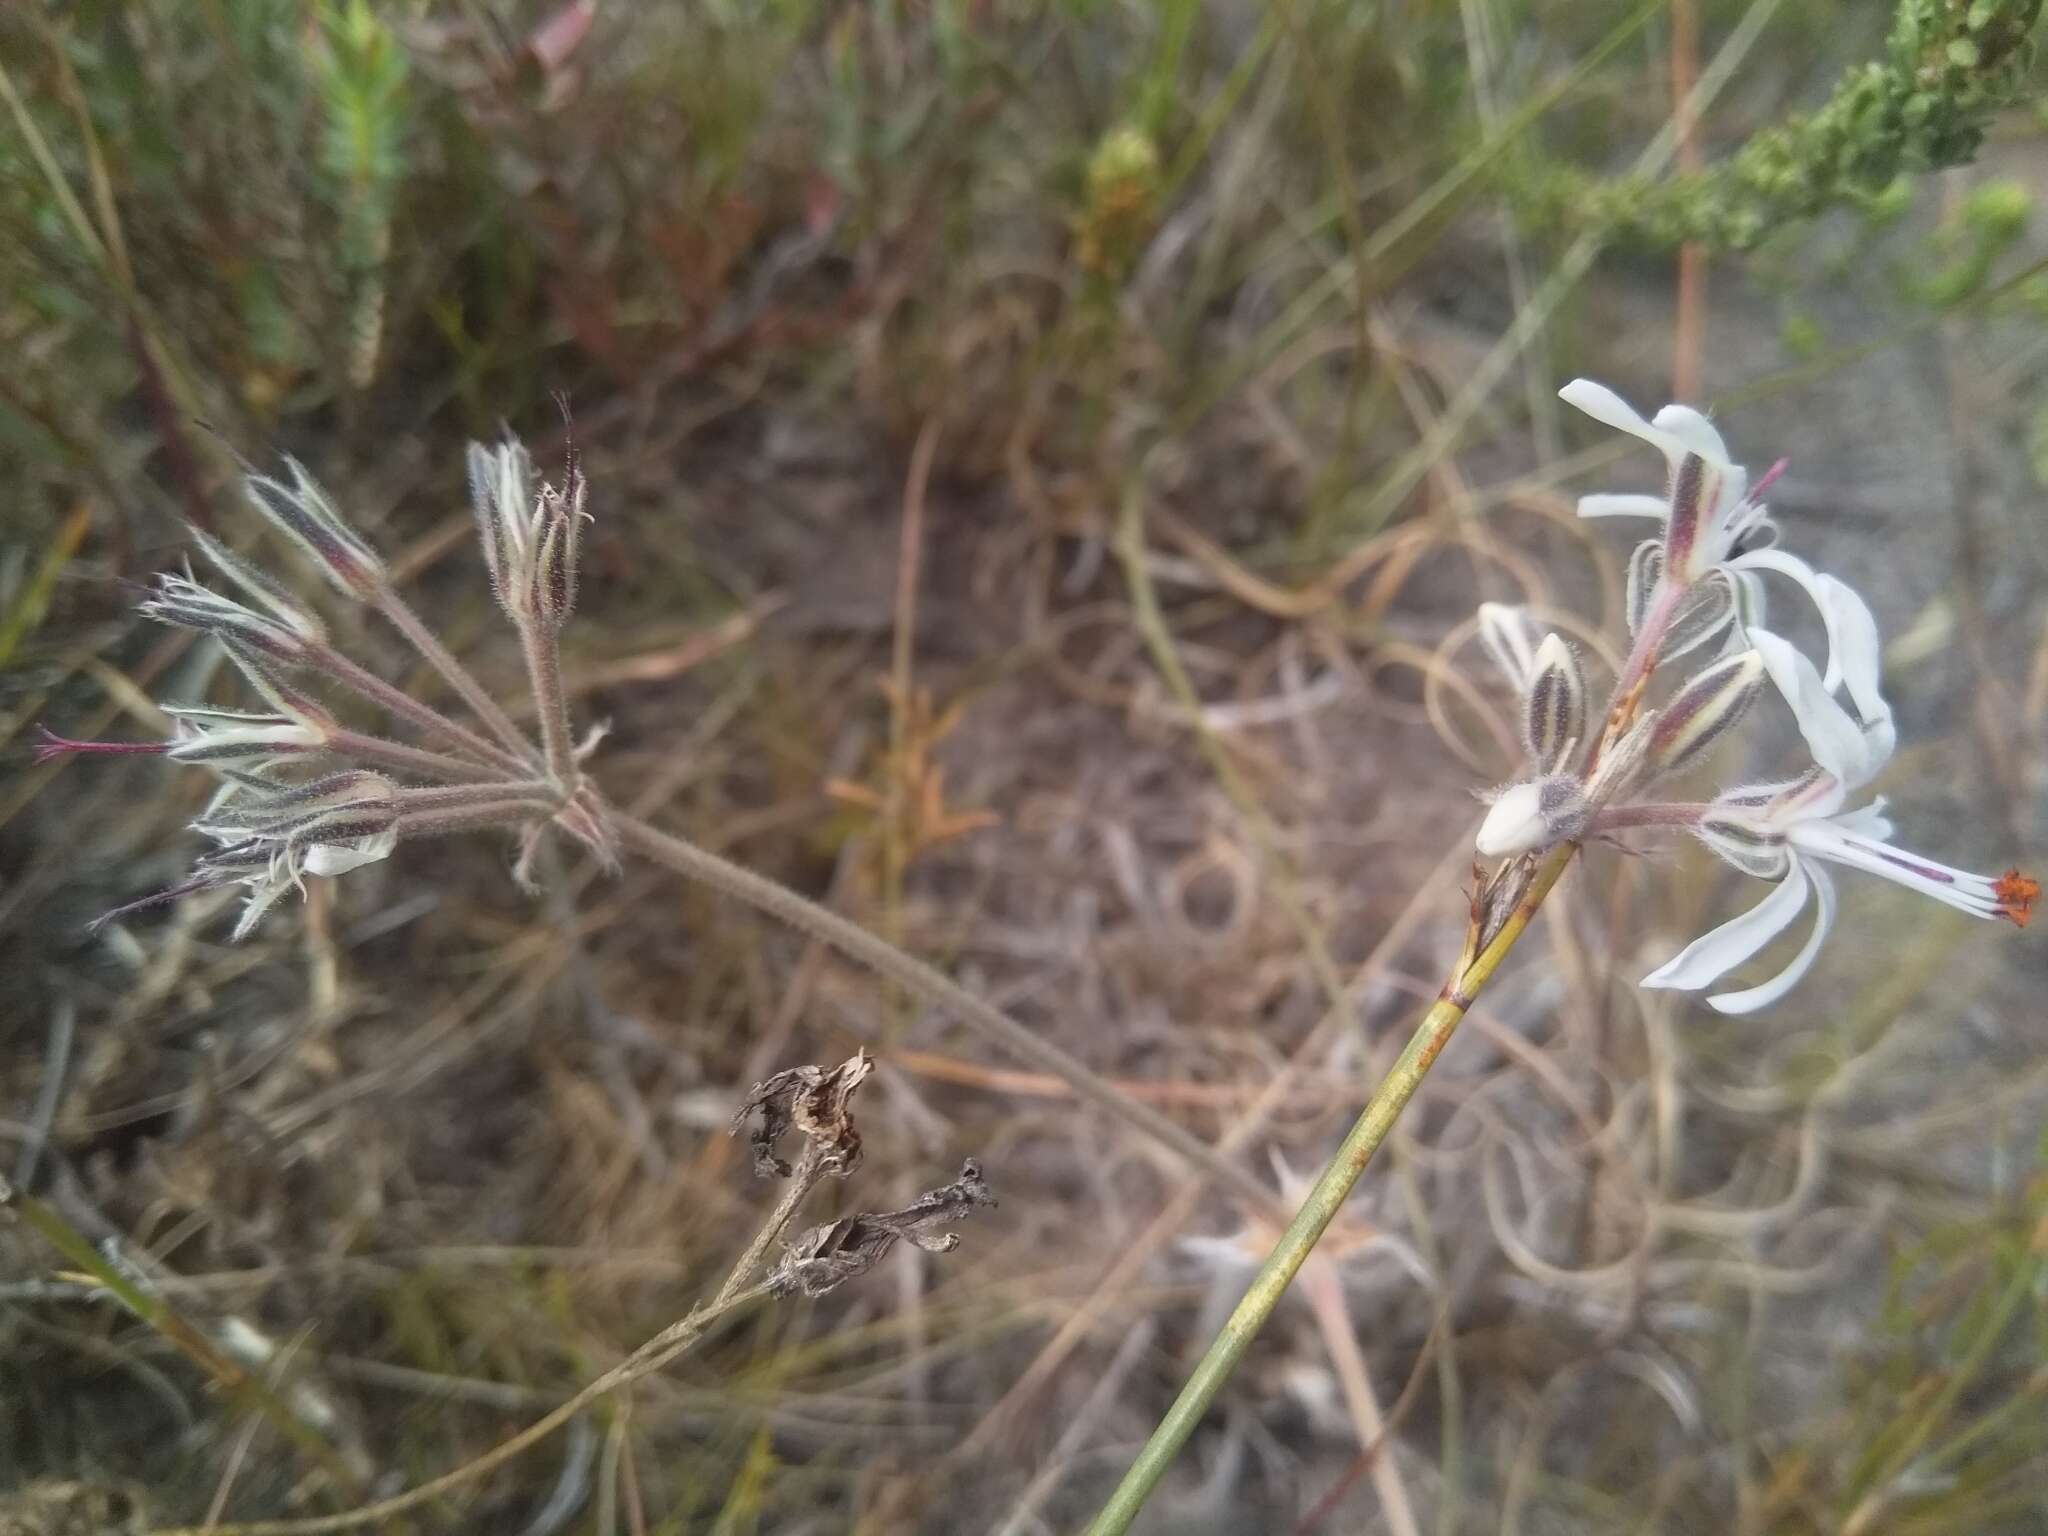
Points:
(498, 480)
(207, 735)
(182, 602)
(259, 585)
(1706, 608)
(298, 811)
(1704, 710)
(1534, 814)
(1554, 714)
(303, 511)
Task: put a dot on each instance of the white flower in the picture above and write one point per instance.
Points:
(1717, 536)
(1788, 832)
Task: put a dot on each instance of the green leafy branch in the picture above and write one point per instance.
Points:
(1949, 66)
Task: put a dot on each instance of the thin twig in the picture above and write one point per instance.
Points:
(810, 1167)
(406, 758)
(402, 705)
(438, 656)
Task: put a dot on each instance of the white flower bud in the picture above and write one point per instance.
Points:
(1533, 815)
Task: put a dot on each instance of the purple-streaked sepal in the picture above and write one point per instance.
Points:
(1704, 711)
(1554, 712)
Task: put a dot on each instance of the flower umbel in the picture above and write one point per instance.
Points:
(1697, 581)
(271, 830)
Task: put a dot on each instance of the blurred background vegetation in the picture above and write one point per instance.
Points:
(1045, 455)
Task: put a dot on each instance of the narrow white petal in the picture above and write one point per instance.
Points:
(1608, 408)
(1837, 742)
(1858, 661)
(1712, 955)
(1753, 998)
(1855, 655)
(1507, 636)
(1845, 841)
(1808, 578)
(1609, 504)
(1689, 427)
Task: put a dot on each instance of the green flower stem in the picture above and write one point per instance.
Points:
(1322, 1204)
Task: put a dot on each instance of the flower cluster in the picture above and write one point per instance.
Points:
(1702, 579)
(272, 822)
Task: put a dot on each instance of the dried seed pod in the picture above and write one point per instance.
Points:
(1554, 713)
(1704, 710)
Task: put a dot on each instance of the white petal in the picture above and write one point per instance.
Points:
(1837, 742)
(1752, 999)
(1712, 955)
(1515, 824)
(1855, 655)
(1507, 636)
(1866, 821)
(1697, 433)
(1858, 659)
(1846, 841)
(1605, 406)
(1608, 504)
(340, 858)
(264, 891)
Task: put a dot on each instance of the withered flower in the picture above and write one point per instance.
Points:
(824, 1258)
(813, 1101)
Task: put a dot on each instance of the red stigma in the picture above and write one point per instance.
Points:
(2016, 895)
(54, 745)
(1768, 479)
